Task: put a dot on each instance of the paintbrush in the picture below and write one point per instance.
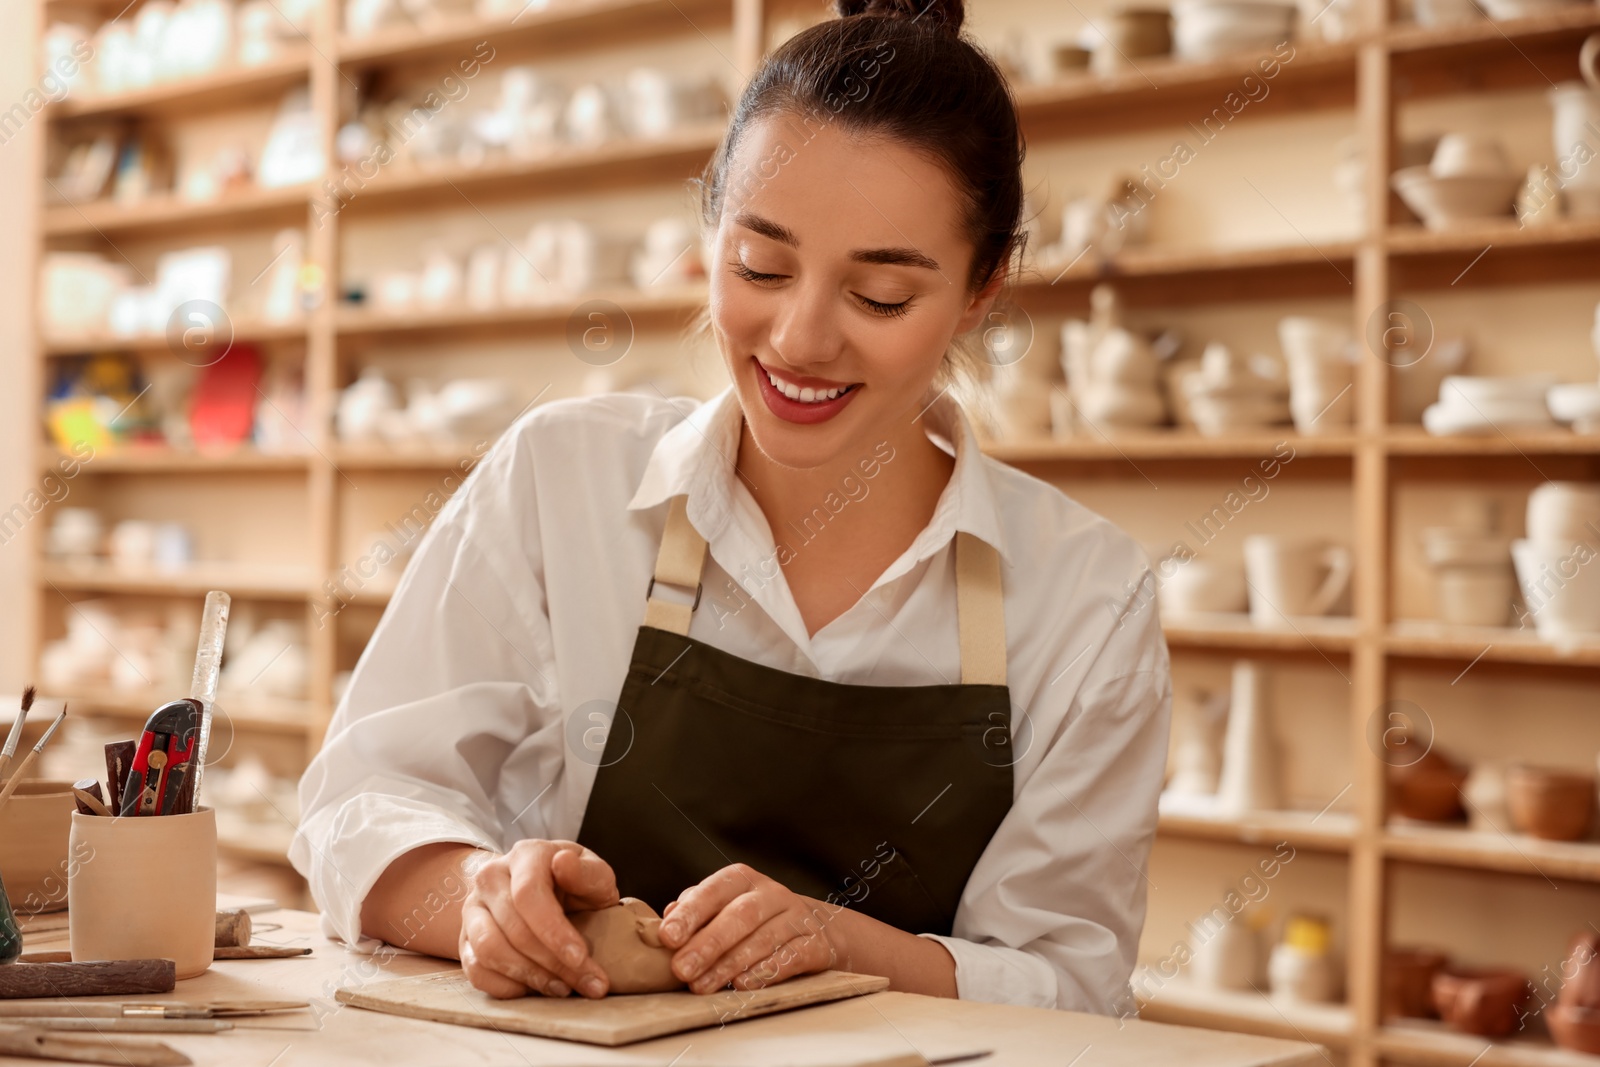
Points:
(16, 733)
(27, 761)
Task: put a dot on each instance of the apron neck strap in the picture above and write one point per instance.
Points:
(980, 599)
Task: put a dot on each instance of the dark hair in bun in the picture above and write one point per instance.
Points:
(904, 70)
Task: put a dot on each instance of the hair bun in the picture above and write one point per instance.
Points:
(943, 14)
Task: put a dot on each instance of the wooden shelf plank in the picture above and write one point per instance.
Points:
(263, 582)
(1324, 832)
(160, 459)
(1165, 276)
(1407, 37)
(1426, 639)
(648, 306)
(560, 27)
(1494, 252)
(1514, 853)
(1236, 631)
(162, 215)
(1415, 441)
(243, 333)
(232, 86)
(1183, 1003)
(1432, 1044)
(248, 713)
(623, 162)
(1166, 91)
(399, 457)
(1167, 444)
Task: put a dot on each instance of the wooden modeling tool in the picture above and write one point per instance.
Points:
(30, 1042)
(87, 793)
(203, 686)
(16, 732)
(119, 758)
(233, 927)
(90, 979)
(27, 761)
(124, 1026)
(150, 1009)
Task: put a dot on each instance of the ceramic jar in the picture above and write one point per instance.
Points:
(34, 827)
(1484, 796)
(1576, 110)
(1564, 513)
(1231, 393)
(1129, 34)
(1228, 957)
(1301, 969)
(1472, 577)
(1484, 1002)
(1321, 374)
(1111, 372)
(1408, 981)
(1575, 1017)
(1548, 803)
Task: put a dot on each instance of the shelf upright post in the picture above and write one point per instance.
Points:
(322, 376)
(1376, 135)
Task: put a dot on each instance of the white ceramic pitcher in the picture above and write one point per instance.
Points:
(1577, 126)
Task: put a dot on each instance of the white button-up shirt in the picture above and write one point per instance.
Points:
(465, 720)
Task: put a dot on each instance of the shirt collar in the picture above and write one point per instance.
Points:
(696, 458)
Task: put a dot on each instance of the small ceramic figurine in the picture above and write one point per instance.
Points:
(625, 940)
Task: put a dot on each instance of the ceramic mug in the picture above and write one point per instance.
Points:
(1564, 512)
(1290, 577)
(167, 864)
(1561, 585)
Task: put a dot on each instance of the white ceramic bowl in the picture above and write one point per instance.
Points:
(1476, 389)
(1445, 203)
(1447, 420)
(1575, 402)
(1469, 155)
(1216, 415)
(1521, 9)
(1208, 29)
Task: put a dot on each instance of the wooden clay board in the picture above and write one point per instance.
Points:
(448, 997)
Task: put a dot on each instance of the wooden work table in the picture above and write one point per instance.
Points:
(840, 1034)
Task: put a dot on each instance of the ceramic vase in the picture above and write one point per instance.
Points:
(1301, 969)
(1249, 780)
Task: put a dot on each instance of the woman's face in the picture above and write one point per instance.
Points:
(839, 269)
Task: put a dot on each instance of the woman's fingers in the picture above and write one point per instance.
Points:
(795, 957)
(762, 943)
(533, 896)
(493, 965)
(583, 880)
(524, 941)
(699, 904)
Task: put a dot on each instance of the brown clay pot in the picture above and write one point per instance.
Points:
(1485, 1002)
(1553, 804)
(34, 827)
(1575, 1028)
(1582, 988)
(1429, 789)
(1408, 981)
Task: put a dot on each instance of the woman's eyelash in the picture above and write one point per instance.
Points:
(877, 307)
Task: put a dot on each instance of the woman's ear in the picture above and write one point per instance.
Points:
(977, 310)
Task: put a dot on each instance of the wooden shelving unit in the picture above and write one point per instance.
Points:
(1385, 65)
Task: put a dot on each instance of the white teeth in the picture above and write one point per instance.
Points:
(807, 395)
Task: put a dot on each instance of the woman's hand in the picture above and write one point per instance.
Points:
(515, 936)
(742, 927)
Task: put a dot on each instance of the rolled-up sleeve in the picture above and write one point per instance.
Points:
(458, 675)
(1052, 914)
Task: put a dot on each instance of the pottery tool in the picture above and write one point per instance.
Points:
(233, 927)
(32, 1043)
(151, 1009)
(448, 997)
(125, 1026)
(90, 979)
(119, 757)
(259, 952)
(27, 761)
(207, 667)
(86, 791)
(165, 757)
(16, 732)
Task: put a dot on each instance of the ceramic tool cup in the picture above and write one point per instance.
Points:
(34, 828)
(143, 887)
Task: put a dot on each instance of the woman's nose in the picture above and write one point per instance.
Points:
(806, 331)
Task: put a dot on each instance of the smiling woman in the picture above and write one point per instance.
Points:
(927, 752)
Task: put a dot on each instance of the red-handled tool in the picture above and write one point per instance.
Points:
(164, 759)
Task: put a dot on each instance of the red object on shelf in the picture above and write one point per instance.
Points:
(222, 410)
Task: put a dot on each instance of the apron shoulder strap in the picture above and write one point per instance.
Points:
(980, 600)
(980, 611)
(682, 555)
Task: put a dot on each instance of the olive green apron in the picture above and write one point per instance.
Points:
(879, 798)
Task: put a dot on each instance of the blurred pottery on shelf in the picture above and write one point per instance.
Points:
(1429, 789)
(1471, 404)
(1318, 355)
(1249, 780)
(1561, 585)
(1575, 1028)
(1473, 581)
(1500, 10)
(34, 827)
(1230, 958)
(1485, 1002)
(1408, 982)
(1539, 199)
(1562, 513)
(1229, 393)
(1202, 587)
(1577, 404)
(1289, 577)
(1446, 203)
(1126, 35)
(1446, 12)
(1582, 987)
(1555, 805)
(1301, 969)
(1205, 30)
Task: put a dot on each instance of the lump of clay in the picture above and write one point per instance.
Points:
(625, 940)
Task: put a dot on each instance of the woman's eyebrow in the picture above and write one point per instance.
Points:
(894, 257)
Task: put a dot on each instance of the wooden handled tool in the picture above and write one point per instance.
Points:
(150, 1009)
(221, 952)
(86, 791)
(88, 979)
(124, 1026)
(119, 758)
(32, 1043)
(27, 761)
